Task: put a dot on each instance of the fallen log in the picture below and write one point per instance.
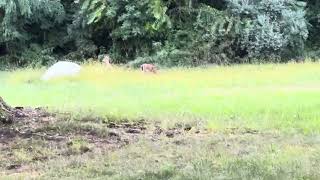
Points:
(6, 114)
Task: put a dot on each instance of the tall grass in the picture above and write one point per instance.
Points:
(285, 97)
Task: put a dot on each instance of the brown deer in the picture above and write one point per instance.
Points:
(148, 68)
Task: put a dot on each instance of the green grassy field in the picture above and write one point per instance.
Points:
(282, 97)
(248, 122)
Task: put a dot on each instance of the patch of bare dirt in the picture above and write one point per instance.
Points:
(24, 120)
(38, 123)
(35, 135)
(32, 131)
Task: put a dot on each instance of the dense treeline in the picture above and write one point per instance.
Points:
(166, 32)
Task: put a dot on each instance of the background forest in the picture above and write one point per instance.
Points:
(164, 32)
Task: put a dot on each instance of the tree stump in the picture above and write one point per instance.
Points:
(6, 114)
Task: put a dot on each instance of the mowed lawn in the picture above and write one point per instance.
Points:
(284, 97)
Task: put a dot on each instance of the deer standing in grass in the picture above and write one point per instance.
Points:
(106, 61)
(148, 68)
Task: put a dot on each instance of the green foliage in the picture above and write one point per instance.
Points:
(166, 32)
(313, 17)
(18, 15)
(36, 56)
(206, 38)
(132, 26)
(216, 34)
(26, 21)
(271, 27)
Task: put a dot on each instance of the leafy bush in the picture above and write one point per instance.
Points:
(21, 21)
(271, 27)
(132, 26)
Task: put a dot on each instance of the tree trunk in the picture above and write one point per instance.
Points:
(5, 112)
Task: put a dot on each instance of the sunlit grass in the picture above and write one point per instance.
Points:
(284, 97)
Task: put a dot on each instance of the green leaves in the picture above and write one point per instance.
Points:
(94, 10)
(45, 13)
(159, 13)
(132, 25)
(277, 26)
(192, 31)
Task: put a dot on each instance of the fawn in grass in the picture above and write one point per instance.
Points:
(148, 68)
(106, 61)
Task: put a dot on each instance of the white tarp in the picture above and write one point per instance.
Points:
(61, 69)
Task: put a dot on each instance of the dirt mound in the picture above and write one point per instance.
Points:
(32, 135)
(9, 114)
